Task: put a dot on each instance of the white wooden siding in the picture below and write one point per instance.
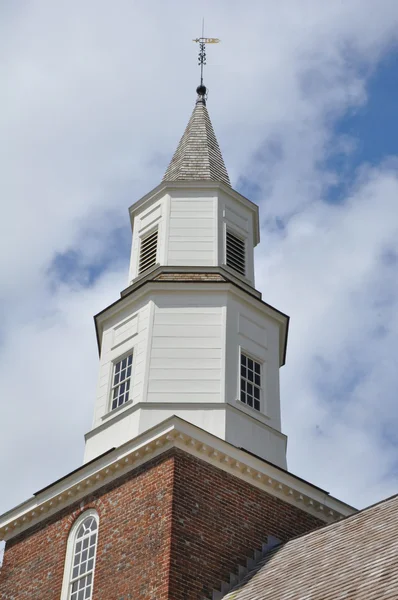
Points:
(186, 354)
(257, 335)
(192, 232)
(124, 333)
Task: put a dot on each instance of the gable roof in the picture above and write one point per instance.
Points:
(198, 155)
(354, 559)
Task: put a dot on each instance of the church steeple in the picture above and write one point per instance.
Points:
(198, 156)
(190, 336)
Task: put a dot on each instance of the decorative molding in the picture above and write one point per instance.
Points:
(172, 433)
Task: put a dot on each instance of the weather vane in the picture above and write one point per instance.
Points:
(202, 41)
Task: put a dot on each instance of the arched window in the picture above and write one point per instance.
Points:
(80, 558)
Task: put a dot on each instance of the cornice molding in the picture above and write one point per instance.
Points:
(150, 284)
(172, 433)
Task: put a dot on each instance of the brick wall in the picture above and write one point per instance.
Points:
(172, 529)
(218, 520)
(133, 542)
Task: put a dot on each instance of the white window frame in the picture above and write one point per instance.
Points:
(260, 362)
(112, 373)
(70, 553)
(243, 238)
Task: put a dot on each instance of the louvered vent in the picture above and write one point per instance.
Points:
(149, 245)
(236, 258)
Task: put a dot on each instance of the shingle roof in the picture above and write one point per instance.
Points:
(198, 155)
(354, 559)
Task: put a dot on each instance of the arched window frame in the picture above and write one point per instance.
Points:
(70, 554)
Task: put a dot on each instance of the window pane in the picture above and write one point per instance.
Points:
(121, 381)
(250, 382)
(83, 560)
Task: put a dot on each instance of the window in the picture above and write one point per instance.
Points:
(235, 253)
(121, 381)
(80, 558)
(148, 250)
(250, 381)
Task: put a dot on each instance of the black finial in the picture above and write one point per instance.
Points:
(201, 90)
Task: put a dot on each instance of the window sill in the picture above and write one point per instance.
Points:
(251, 411)
(117, 410)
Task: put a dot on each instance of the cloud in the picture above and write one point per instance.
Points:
(97, 98)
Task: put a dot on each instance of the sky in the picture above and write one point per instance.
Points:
(303, 97)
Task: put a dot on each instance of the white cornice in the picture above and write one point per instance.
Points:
(152, 286)
(172, 433)
(166, 186)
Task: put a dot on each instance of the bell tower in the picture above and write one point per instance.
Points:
(191, 336)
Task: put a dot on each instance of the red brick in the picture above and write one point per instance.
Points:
(170, 530)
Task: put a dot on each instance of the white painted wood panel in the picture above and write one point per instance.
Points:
(186, 350)
(190, 331)
(197, 354)
(129, 331)
(173, 397)
(183, 205)
(187, 342)
(178, 317)
(192, 232)
(181, 386)
(180, 371)
(182, 362)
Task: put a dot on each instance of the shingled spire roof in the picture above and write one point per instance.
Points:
(198, 156)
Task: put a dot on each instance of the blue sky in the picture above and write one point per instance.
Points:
(372, 127)
(91, 116)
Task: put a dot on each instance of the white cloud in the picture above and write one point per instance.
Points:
(97, 97)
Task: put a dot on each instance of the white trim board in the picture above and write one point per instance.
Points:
(172, 433)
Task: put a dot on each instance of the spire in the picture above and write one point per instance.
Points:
(198, 156)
